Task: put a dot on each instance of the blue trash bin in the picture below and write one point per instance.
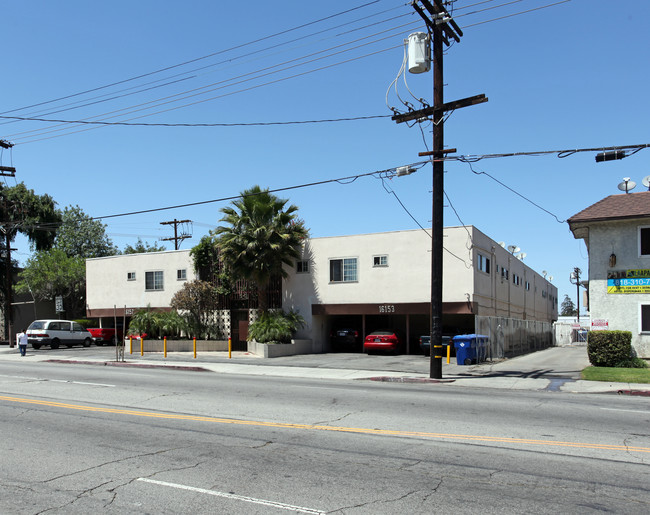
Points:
(465, 345)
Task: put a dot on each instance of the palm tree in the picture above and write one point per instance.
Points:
(261, 233)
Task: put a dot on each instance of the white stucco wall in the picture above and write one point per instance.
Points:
(407, 278)
(621, 310)
(107, 284)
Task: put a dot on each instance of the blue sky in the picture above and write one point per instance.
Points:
(573, 75)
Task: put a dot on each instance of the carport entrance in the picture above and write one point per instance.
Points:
(410, 320)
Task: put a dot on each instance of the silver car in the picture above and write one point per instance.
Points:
(56, 333)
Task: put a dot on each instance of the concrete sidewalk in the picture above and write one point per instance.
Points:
(555, 370)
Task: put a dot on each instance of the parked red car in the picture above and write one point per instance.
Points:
(383, 340)
(105, 335)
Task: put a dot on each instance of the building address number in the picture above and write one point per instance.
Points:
(386, 308)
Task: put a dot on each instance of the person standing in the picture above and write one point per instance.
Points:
(22, 343)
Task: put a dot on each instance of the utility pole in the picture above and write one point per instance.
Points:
(441, 28)
(177, 237)
(7, 171)
(575, 279)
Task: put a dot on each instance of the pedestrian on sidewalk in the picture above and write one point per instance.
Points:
(22, 343)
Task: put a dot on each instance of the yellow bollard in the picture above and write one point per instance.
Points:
(165, 346)
(229, 347)
(195, 347)
(141, 345)
(448, 353)
(130, 344)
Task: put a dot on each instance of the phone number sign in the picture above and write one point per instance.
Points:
(628, 281)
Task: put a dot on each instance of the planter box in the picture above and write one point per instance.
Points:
(275, 350)
(178, 345)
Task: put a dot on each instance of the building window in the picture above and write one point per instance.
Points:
(380, 261)
(130, 276)
(504, 273)
(527, 285)
(153, 281)
(302, 267)
(644, 241)
(343, 270)
(645, 318)
(483, 264)
(516, 280)
(544, 294)
(181, 275)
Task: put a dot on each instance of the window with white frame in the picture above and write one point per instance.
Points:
(644, 241)
(483, 263)
(181, 274)
(153, 281)
(130, 276)
(302, 267)
(644, 318)
(504, 273)
(380, 260)
(343, 270)
(516, 280)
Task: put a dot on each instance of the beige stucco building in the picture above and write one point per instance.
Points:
(365, 281)
(616, 231)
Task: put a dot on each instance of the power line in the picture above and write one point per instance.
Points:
(198, 58)
(238, 124)
(341, 180)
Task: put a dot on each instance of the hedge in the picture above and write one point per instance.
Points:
(609, 348)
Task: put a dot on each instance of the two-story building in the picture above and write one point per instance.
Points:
(616, 231)
(366, 281)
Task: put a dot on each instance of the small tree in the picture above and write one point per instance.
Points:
(196, 302)
(567, 307)
(141, 247)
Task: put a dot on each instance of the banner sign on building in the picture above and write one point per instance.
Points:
(628, 281)
(599, 324)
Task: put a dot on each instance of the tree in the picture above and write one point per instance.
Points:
(567, 308)
(35, 216)
(49, 273)
(62, 270)
(80, 235)
(260, 235)
(141, 247)
(196, 302)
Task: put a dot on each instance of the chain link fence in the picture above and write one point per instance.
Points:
(508, 337)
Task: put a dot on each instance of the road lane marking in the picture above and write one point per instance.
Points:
(645, 412)
(340, 429)
(235, 497)
(79, 382)
(58, 380)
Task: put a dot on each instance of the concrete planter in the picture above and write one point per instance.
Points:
(178, 345)
(275, 350)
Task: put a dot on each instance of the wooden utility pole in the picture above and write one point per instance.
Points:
(177, 237)
(6, 227)
(441, 28)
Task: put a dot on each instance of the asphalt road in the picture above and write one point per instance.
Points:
(83, 438)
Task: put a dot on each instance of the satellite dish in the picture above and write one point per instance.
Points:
(521, 256)
(513, 248)
(503, 244)
(646, 182)
(627, 185)
(550, 278)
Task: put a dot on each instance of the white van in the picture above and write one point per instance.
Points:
(56, 333)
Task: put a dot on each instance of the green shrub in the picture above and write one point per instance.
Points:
(275, 326)
(632, 363)
(85, 323)
(608, 348)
